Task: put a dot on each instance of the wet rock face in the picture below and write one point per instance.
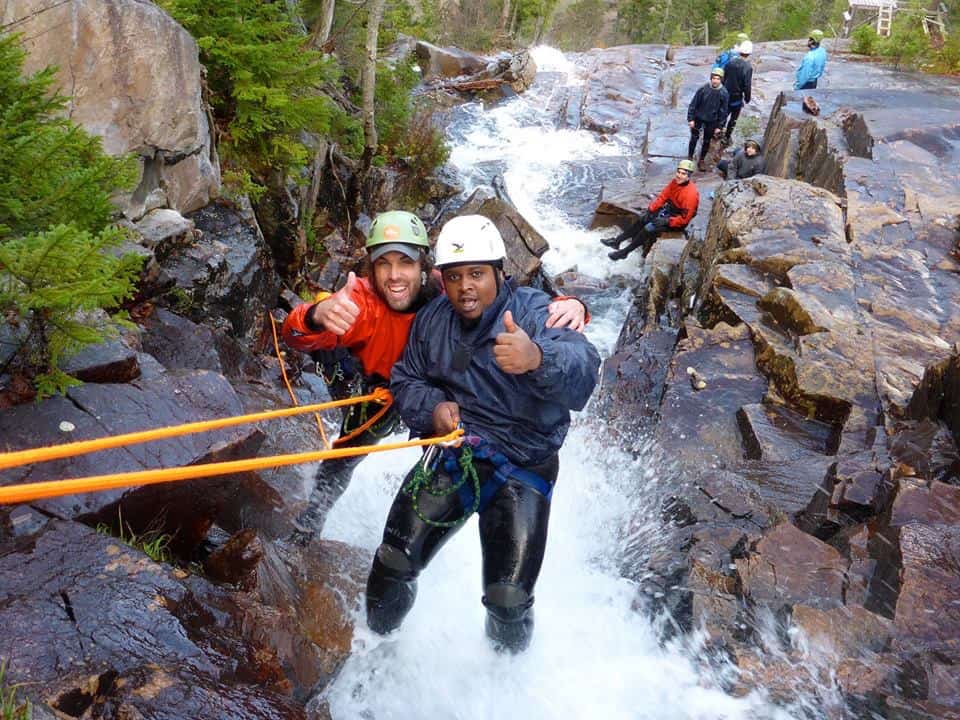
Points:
(99, 410)
(788, 566)
(224, 276)
(805, 424)
(133, 76)
(99, 628)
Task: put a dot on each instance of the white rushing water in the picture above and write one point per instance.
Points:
(593, 655)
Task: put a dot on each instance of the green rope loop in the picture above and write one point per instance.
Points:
(422, 480)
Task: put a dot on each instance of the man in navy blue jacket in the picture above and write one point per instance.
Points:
(482, 357)
(707, 114)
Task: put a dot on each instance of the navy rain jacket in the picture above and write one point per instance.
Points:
(525, 416)
(709, 105)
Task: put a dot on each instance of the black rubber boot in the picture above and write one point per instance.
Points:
(391, 590)
(509, 618)
(621, 254)
(613, 242)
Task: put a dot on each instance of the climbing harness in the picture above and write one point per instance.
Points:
(55, 488)
(344, 380)
(465, 479)
(423, 480)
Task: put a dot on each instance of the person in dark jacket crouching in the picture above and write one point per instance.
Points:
(747, 162)
(481, 357)
(672, 209)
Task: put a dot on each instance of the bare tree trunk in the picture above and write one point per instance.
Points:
(369, 83)
(504, 17)
(324, 24)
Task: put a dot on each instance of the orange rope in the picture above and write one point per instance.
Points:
(56, 488)
(364, 427)
(286, 381)
(25, 457)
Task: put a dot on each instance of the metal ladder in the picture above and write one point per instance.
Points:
(884, 19)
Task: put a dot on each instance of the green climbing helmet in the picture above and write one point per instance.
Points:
(718, 71)
(816, 35)
(397, 231)
(686, 165)
(754, 144)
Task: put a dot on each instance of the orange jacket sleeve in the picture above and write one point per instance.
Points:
(687, 201)
(660, 199)
(298, 334)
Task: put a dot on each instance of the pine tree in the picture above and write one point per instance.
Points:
(57, 248)
(265, 82)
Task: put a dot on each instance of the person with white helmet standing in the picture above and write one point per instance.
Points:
(481, 358)
(737, 79)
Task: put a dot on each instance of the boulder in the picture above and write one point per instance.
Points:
(133, 78)
(225, 276)
(524, 244)
(447, 62)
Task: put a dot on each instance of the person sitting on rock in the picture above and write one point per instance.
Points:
(738, 79)
(673, 209)
(813, 63)
(483, 359)
(707, 113)
(356, 335)
(747, 162)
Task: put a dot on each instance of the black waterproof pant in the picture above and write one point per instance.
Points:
(513, 537)
(344, 379)
(732, 119)
(636, 236)
(708, 129)
(331, 482)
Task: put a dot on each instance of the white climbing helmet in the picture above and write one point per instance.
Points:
(746, 47)
(469, 239)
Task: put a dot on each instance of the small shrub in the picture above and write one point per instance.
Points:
(152, 543)
(10, 707)
(907, 45)
(676, 81)
(864, 40)
(423, 150)
(748, 127)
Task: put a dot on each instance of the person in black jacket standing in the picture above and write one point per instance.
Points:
(707, 113)
(737, 79)
(481, 358)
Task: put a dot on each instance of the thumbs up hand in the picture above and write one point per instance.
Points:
(514, 351)
(338, 312)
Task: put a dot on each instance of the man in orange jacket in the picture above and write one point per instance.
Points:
(358, 333)
(673, 208)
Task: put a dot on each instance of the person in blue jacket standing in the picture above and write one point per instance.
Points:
(481, 358)
(813, 63)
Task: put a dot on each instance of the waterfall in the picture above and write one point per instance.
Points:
(593, 655)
